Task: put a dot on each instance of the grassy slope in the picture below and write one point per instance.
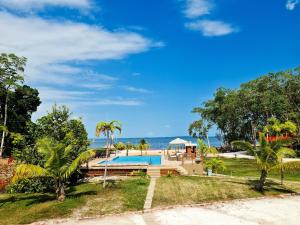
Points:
(247, 168)
(27, 208)
(188, 190)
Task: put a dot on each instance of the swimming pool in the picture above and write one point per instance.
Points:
(149, 160)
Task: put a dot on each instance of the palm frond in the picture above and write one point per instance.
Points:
(288, 166)
(285, 152)
(244, 145)
(29, 170)
(83, 157)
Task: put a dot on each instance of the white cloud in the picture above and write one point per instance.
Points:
(134, 89)
(196, 8)
(52, 46)
(28, 5)
(55, 94)
(97, 86)
(291, 4)
(211, 28)
(121, 102)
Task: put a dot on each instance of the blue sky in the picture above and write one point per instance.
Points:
(146, 63)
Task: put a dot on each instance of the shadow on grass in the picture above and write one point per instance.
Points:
(32, 199)
(270, 186)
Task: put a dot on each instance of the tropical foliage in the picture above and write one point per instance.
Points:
(203, 150)
(200, 128)
(58, 164)
(241, 113)
(215, 165)
(269, 156)
(143, 145)
(17, 103)
(108, 129)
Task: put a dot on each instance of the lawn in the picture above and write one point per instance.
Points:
(26, 208)
(191, 190)
(248, 168)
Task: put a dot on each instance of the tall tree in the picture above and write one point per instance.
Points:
(108, 129)
(22, 103)
(11, 76)
(200, 128)
(242, 112)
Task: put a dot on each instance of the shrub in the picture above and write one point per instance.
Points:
(215, 165)
(120, 146)
(170, 173)
(32, 185)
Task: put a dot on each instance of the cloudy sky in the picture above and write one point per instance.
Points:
(146, 63)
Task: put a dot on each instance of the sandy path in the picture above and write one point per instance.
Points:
(268, 211)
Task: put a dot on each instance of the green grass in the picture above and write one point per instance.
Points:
(248, 168)
(27, 208)
(192, 190)
(129, 195)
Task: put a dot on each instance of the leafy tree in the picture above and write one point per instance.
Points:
(268, 156)
(108, 130)
(200, 128)
(204, 150)
(11, 76)
(23, 102)
(276, 128)
(58, 125)
(120, 146)
(242, 112)
(143, 145)
(58, 164)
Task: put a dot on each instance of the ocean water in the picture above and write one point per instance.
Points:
(155, 143)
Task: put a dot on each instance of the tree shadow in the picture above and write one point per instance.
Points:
(270, 186)
(32, 199)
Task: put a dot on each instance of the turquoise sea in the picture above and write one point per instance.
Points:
(155, 142)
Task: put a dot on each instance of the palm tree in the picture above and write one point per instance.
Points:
(143, 145)
(268, 155)
(58, 164)
(107, 129)
(215, 165)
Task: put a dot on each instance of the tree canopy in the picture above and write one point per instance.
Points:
(241, 113)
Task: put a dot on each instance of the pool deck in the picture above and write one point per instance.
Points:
(165, 166)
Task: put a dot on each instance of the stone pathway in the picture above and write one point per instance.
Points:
(150, 193)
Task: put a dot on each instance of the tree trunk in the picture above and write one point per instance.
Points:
(126, 152)
(106, 159)
(61, 196)
(281, 176)
(262, 180)
(208, 141)
(4, 126)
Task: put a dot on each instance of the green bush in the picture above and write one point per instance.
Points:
(32, 185)
(120, 146)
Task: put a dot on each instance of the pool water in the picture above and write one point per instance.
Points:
(149, 160)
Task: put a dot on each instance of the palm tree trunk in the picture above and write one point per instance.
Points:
(61, 195)
(106, 159)
(208, 141)
(4, 126)
(281, 176)
(262, 180)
